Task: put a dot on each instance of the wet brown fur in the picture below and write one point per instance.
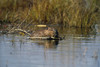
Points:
(48, 32)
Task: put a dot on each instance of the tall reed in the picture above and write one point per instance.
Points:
(75, 13)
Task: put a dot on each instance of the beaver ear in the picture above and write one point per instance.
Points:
(46, 28)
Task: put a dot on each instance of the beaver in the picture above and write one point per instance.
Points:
(47, 32)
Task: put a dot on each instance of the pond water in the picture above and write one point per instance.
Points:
(80, 48)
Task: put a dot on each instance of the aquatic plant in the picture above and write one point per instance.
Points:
(73, 13)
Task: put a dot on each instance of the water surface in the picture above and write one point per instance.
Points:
(80, 48)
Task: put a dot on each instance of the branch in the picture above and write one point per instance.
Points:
(23, 31)
(44, 38)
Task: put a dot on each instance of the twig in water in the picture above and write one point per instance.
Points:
(84, 53)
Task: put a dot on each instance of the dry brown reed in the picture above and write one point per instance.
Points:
(74, 13)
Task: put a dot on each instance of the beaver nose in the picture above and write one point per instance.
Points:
(56, 33)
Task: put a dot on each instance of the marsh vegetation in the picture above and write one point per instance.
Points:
(72, 19)
(76, 13)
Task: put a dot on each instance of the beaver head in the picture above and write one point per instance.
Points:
(51, 32)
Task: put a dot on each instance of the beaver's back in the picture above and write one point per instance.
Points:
(39, 33)
(49, 32)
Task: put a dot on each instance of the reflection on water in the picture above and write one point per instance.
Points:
(49, 43)
(80, 48)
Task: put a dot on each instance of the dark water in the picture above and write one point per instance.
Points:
(79, 49)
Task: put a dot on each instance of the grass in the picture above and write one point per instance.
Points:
(66, 12)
